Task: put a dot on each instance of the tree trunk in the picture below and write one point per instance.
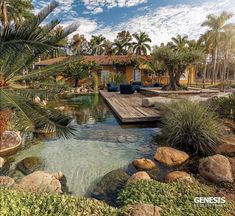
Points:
(214, 65)
(4, 13)
(204, 74)
(76, 82)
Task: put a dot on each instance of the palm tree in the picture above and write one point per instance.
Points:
(124, 36)
(108, 47)
(97, 44)
(216, 25)
(120, 47)
(227, 43)
(15, 10)
(152, 65)
(79, 45)
(20, 45)
(140, 45)
(179, 42)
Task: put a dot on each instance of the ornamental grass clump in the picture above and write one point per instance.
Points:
(190, 127)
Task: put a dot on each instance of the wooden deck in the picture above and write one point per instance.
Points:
(128, 108)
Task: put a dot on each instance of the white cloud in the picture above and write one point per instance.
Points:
(160, 23)
(96, 6)
(165, 22)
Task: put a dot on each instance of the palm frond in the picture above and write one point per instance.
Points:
(50, 121)
(46, 71)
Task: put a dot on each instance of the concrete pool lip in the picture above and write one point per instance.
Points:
(152, 92)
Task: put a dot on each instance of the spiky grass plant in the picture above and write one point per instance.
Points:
(189, 126)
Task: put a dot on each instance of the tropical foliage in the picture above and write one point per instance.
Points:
(15, 11)
(224, 106)
(141, 44)
(191, 127)
(79, 70)
(175, 58)
(219, 44)
(31, 40)
(124, 44)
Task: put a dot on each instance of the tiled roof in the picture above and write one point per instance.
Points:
(101, 60)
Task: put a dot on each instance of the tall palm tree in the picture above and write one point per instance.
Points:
(227, 44)
(21, 45)
(141, 44)
(97, 44)
(215, 25)
(15, 10)
(120, 47)
(207, 47)
(179, 42)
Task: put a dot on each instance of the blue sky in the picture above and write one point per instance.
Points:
(161, 19)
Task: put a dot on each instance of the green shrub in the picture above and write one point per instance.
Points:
(15, 203)
(176, 199)
(190, 127)
(224, 106)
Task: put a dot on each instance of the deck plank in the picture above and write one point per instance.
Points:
(129, 108)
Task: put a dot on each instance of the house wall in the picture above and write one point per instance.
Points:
(146, 79)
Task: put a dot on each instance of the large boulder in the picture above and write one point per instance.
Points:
(178, 176)
(145, 210)
(109, 186)
(41, 181)
(170, 156)
(216, 168)
(227, 146)
(30, 165)
(143, 164)
(142, 175)
(6, 181)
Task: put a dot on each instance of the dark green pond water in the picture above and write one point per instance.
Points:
(100, 144)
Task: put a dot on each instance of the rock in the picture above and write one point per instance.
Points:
(144, 164)
(178, 176)
(30, 165)
(2, 162)
(227, 146)
(155, 174)
(61, 108)
(127, 139)
(216, 168)
(142, 175)
(121, 139)
(5, 169)
(229, 123)
(6, 181)
(109, 186)
(145, 210)
(170, 156)
(40, 181)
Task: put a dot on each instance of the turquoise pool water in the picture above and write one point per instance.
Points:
(100, 144)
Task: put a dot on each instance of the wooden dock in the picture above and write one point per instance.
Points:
(129, 108)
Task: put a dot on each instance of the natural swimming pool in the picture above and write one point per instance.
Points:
(100, 144)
